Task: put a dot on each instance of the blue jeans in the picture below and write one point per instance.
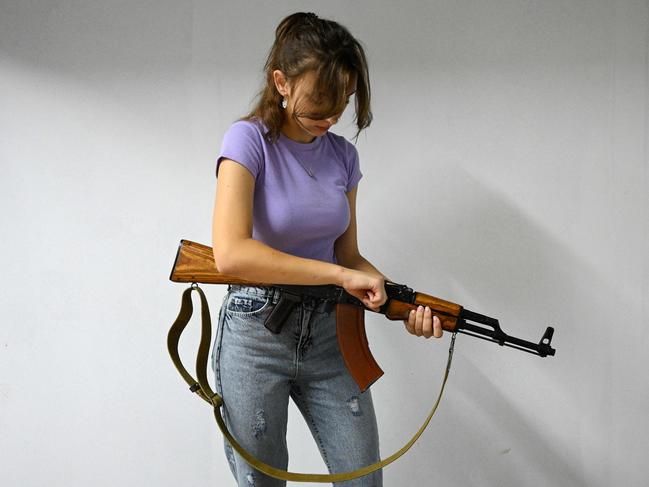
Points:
(256, 372)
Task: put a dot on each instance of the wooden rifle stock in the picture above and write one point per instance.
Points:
(195, 263)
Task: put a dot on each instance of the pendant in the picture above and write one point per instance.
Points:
(308, 171)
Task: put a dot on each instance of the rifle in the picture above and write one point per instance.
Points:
(194, 263)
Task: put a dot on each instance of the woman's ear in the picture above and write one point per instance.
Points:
(280, 82)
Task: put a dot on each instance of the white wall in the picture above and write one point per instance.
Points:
(506, 170)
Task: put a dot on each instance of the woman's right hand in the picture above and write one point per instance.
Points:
(368, 288)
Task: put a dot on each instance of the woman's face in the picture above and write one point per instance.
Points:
(302, 90)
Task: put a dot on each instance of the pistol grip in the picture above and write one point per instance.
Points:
(278, 316)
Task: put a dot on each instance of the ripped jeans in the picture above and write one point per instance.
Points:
(256, 372)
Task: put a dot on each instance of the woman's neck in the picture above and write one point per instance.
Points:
(293, 131)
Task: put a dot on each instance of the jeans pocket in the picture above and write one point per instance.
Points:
(243, 304)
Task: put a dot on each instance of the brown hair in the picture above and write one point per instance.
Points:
(304, 42)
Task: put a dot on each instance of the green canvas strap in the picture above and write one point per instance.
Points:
(201, 387)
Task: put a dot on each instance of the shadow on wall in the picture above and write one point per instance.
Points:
(528, 280)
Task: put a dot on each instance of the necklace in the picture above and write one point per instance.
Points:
(308, 170)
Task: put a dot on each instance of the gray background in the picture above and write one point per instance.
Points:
(506, 170)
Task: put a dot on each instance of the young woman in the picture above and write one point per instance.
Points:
(284, 213)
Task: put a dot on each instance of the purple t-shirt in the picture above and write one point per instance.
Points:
(293, 212)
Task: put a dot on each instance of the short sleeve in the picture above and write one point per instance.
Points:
(353, 167)
(242, 143)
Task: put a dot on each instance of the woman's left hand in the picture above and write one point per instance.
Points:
(422, 322)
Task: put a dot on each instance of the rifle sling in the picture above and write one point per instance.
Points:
(202, 388)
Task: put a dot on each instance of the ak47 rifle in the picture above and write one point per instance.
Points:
(195, 264)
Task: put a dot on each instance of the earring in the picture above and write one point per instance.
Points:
(284, 102)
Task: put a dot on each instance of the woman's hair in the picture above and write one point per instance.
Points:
(304, 42)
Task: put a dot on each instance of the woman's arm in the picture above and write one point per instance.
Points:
(235, 251)
(362, 264)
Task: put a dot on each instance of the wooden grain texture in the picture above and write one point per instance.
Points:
(195, 263)
(446, 311)
(352, 341)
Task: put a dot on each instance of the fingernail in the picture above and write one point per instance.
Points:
(420, 307)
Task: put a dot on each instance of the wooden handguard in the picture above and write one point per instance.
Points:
(447, 312)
